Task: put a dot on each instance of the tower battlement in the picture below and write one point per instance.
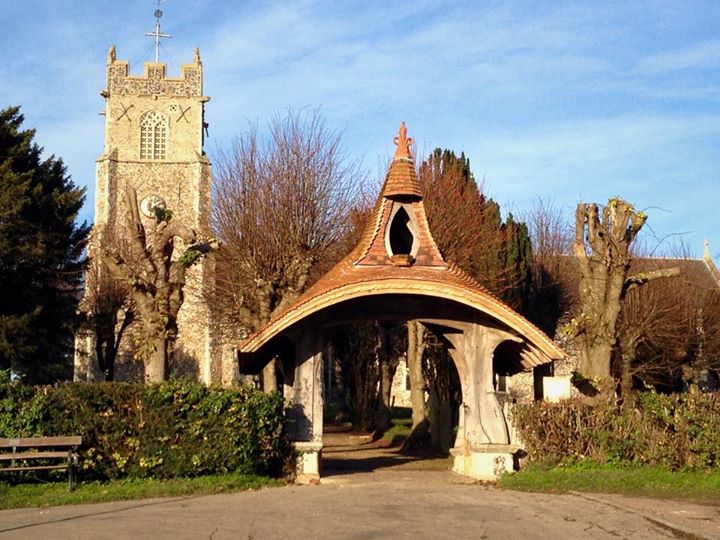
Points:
(154, 80)
(153, 117)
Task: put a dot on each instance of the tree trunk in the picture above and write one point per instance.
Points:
(156, 362)
(386, 366)
(382, 418)
(416, 347)
(628, 342)
(595, 359)
(392, 369)
(626, 384)
(105, 353)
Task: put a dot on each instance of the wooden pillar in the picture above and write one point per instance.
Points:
(303, 397)
(482, 449)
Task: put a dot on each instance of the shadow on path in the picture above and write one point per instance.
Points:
(346, 453)
(143, 504)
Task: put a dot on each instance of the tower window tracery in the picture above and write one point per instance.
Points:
(153, 136)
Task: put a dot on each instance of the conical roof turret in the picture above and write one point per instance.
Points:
(401, 180)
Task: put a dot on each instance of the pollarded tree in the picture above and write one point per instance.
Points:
(41, 259)
(282, 207)
(155, 277)
(602, 247)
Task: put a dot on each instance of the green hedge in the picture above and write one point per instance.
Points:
(161, 431)
(675, 432)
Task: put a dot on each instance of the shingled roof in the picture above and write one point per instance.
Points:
(397, 255)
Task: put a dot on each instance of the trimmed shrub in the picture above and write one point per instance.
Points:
(680, 431)
(160, 431)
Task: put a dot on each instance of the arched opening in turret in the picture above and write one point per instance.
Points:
(401, 235)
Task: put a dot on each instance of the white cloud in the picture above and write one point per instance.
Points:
(545, 99)
(699, 56)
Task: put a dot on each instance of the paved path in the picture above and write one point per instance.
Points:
(382, 500)
(386, 504)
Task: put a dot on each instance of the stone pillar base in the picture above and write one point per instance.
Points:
(309, 454)
(484, 462)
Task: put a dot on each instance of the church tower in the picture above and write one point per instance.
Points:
(154, 134)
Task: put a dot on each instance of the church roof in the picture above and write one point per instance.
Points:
(382, 263)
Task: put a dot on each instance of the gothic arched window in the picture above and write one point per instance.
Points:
(153, 136)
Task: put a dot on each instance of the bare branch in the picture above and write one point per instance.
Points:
(579, 249)
(646, 277)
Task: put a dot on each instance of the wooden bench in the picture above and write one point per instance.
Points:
(41, 454)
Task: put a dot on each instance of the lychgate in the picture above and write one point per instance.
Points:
(397, 272)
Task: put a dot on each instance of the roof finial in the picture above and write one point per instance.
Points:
(157, 34)
(706, 250)
(403, 143)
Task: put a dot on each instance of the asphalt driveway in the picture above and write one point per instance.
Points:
(397, 504)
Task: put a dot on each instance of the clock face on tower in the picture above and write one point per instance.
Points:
(150, 204)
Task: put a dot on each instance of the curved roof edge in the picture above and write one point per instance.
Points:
(478, 300)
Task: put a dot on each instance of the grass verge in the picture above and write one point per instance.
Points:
(56, 493)
(640, 481)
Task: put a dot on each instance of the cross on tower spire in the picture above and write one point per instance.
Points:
(157, 34)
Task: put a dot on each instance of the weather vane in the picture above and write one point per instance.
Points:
(157, 34)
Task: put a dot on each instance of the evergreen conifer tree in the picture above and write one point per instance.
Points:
(469, 229)
(41, 256)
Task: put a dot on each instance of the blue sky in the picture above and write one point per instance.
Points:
(568, 101)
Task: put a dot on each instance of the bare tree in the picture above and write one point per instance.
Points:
(155, 279)
(283, 206)
(602, 244)
(355, 348)
(667, 335)
(109, 311)
(553, 290)
(653, 336)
